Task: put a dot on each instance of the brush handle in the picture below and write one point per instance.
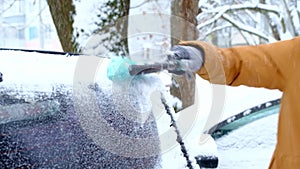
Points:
(151, 68)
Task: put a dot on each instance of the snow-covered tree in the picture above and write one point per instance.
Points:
(110, 23)
(235, 22)
(74, 26)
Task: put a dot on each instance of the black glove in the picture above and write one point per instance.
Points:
(190, 59)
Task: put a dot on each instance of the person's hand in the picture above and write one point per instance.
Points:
(190, 58)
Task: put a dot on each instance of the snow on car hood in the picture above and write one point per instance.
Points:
(36, 71)
(27, 73)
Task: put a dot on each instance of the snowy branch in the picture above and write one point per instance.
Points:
(215, 29)
(222, 10)
(247, 28)
(257, 22)
(9, 6)
(289, 18)
(214, 19)
(139, 5)
(258, 7)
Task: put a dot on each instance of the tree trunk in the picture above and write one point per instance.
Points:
(62, 12)
(125, 7)
(183, 27)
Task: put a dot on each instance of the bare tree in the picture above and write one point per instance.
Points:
(257, 22)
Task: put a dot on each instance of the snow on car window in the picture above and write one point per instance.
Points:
(250, 146)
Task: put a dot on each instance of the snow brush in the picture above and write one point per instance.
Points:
(121, 68)
(118, 69)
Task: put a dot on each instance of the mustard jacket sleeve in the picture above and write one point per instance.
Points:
(268, 65)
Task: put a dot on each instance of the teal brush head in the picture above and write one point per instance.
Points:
(117, 69)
